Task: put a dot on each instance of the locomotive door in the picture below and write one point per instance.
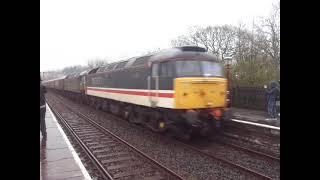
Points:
(153, 85)
(83, 84)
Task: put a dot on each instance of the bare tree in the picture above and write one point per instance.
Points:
(155, 50)
(47, 75)
(182, 41)
(245, 44)
(219, 40)
(256, 51)
(269, 34)
(73, 69)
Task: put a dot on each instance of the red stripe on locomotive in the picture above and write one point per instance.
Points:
(139, 93)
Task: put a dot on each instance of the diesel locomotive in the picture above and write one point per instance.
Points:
(181, 89)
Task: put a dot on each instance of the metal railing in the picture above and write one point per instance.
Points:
(249, 98)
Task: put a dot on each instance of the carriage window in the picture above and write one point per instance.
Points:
(155, 70)
(166, 69)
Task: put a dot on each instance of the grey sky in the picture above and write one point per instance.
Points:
(74, 31)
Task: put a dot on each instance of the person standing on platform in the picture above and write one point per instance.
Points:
(272, 95)
(42, 110)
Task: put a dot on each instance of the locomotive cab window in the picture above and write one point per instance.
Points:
(166, 69)
(155, 70)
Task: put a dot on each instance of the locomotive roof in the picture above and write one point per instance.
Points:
(183, 52)
(168, 54)
(84, 72)
(73, 75)
(63, 77)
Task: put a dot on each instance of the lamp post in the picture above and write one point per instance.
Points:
(228, 63)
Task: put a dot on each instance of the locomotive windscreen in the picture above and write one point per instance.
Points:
(199, 68)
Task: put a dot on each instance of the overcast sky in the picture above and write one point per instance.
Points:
(74, 31)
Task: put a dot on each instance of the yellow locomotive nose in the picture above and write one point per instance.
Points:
(203, 92)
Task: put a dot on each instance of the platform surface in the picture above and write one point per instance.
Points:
(254, 116)
(58, 160)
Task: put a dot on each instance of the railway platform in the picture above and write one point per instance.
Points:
(58, 159)
(254, 116)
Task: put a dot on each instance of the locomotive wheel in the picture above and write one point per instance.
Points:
(207, 129)
(180, 133)
(91, 102)
(97, 104)
(157, 126)
(114, 109)
(124, 111)
(126, 114)
(100, 104)
(152, 124)
(105, 106)
(134, 117)
(83, 99)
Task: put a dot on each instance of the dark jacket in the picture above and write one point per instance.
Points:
(42, 97)
(273, 92)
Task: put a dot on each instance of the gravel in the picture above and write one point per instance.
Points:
(179, 159)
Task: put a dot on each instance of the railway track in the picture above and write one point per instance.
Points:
(250, 143)
(250, 151)
(250, 131)
(112, 156)
(258, 162)
(227, 163)
(230, 163)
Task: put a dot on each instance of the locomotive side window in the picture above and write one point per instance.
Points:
(166, 69)
(155, 70)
